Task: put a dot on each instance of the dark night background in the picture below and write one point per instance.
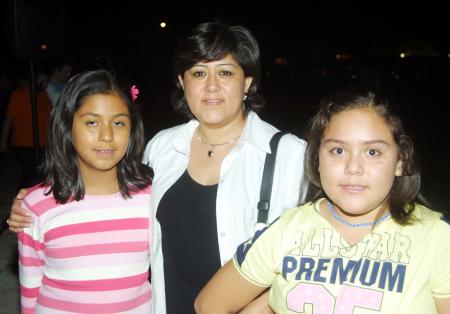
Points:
(300, 43)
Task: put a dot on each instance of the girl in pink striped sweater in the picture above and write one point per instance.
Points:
(88, 250)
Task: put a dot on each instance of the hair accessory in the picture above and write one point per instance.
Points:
(134, 92)
(352, 225)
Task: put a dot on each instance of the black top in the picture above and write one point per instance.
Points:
(187, 215)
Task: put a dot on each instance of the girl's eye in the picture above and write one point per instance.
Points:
(91, 123)
(337, 151)
(119, 123)
(373, 152)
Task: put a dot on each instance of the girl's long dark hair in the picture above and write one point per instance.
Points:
(60, 166)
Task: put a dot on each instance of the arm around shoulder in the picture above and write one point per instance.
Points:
(227, 292)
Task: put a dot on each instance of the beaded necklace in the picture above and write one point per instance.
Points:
(355, 225)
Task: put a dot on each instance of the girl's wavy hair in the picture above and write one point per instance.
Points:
(211, 42)
(406, 188)
(60, 166)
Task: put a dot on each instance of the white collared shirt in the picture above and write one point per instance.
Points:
(239, 185)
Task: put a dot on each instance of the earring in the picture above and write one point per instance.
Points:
(245, 97)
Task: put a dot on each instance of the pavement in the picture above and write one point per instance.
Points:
(9, 283)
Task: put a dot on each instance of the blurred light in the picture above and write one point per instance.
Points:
(163, 24)
(402, 55)
(44, 46)
(448, 55)
(280, 61)
(343, 57)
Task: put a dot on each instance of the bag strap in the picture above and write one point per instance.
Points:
(267, 178)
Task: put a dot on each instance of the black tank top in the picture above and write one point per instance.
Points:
(187, 215)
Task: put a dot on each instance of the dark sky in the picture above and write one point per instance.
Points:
(306, 35)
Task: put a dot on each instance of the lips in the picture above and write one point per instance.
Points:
(353, 188)
(104, 152)
(212, 101)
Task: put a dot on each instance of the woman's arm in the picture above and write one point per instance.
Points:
(18, 217)
(442, 305)
(226, 292)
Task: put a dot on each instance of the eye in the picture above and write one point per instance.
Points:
(337, 151)
(91, 123)
(119, 123)
(226, 73)
(198, 73)
(373, 152)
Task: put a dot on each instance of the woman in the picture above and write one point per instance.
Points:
(208, 171)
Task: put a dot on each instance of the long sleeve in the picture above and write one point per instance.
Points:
(31, 266)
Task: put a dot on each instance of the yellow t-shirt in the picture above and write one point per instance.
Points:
(312, 269)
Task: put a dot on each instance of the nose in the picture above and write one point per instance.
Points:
(354, 165)
(105, 133)
(212, 84)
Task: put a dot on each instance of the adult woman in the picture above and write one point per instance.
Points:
(208, 171)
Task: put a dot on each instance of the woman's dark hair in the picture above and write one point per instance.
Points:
(211, 42)
(405, 189)
(60, 166)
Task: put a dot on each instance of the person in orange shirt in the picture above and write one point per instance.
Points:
(17, 132)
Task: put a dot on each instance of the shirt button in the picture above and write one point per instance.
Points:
(222, 234)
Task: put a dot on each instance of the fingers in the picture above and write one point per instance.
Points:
(19, 218)
(21, 194)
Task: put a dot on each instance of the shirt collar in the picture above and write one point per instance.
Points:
(256, 132)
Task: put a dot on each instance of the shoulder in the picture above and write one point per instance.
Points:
(260, 133)
(38, 200)
(301, 213)
(166, 139)
(430, 219)
(144, 191)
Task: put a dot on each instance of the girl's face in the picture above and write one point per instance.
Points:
(358, 161)
(215, 90)
(100, 134)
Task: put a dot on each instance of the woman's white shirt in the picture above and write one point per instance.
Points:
(238, 190)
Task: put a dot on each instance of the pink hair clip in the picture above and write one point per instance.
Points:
(134, 92)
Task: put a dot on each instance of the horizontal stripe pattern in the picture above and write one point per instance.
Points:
(90, 256)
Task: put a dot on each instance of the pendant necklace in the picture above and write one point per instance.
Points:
(355, 225)
(212, 147)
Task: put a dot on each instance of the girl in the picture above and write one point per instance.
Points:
(87, 250)
(362, 244)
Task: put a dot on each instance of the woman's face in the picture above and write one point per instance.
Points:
(215, 90)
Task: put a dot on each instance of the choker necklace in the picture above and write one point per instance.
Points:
(362, 224)
(213, 146)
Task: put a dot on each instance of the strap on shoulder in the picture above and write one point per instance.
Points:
(267, 178)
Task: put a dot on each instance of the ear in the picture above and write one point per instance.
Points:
(248, 82)
(399, 168)
(180, 79)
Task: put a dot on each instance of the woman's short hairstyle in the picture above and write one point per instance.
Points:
(60, 166)
(213, 41)
(406, 188)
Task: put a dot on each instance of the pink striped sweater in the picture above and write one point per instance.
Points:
(90, 256)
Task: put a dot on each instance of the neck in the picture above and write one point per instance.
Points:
(214, 135)
(101, 183)
(370, 218)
